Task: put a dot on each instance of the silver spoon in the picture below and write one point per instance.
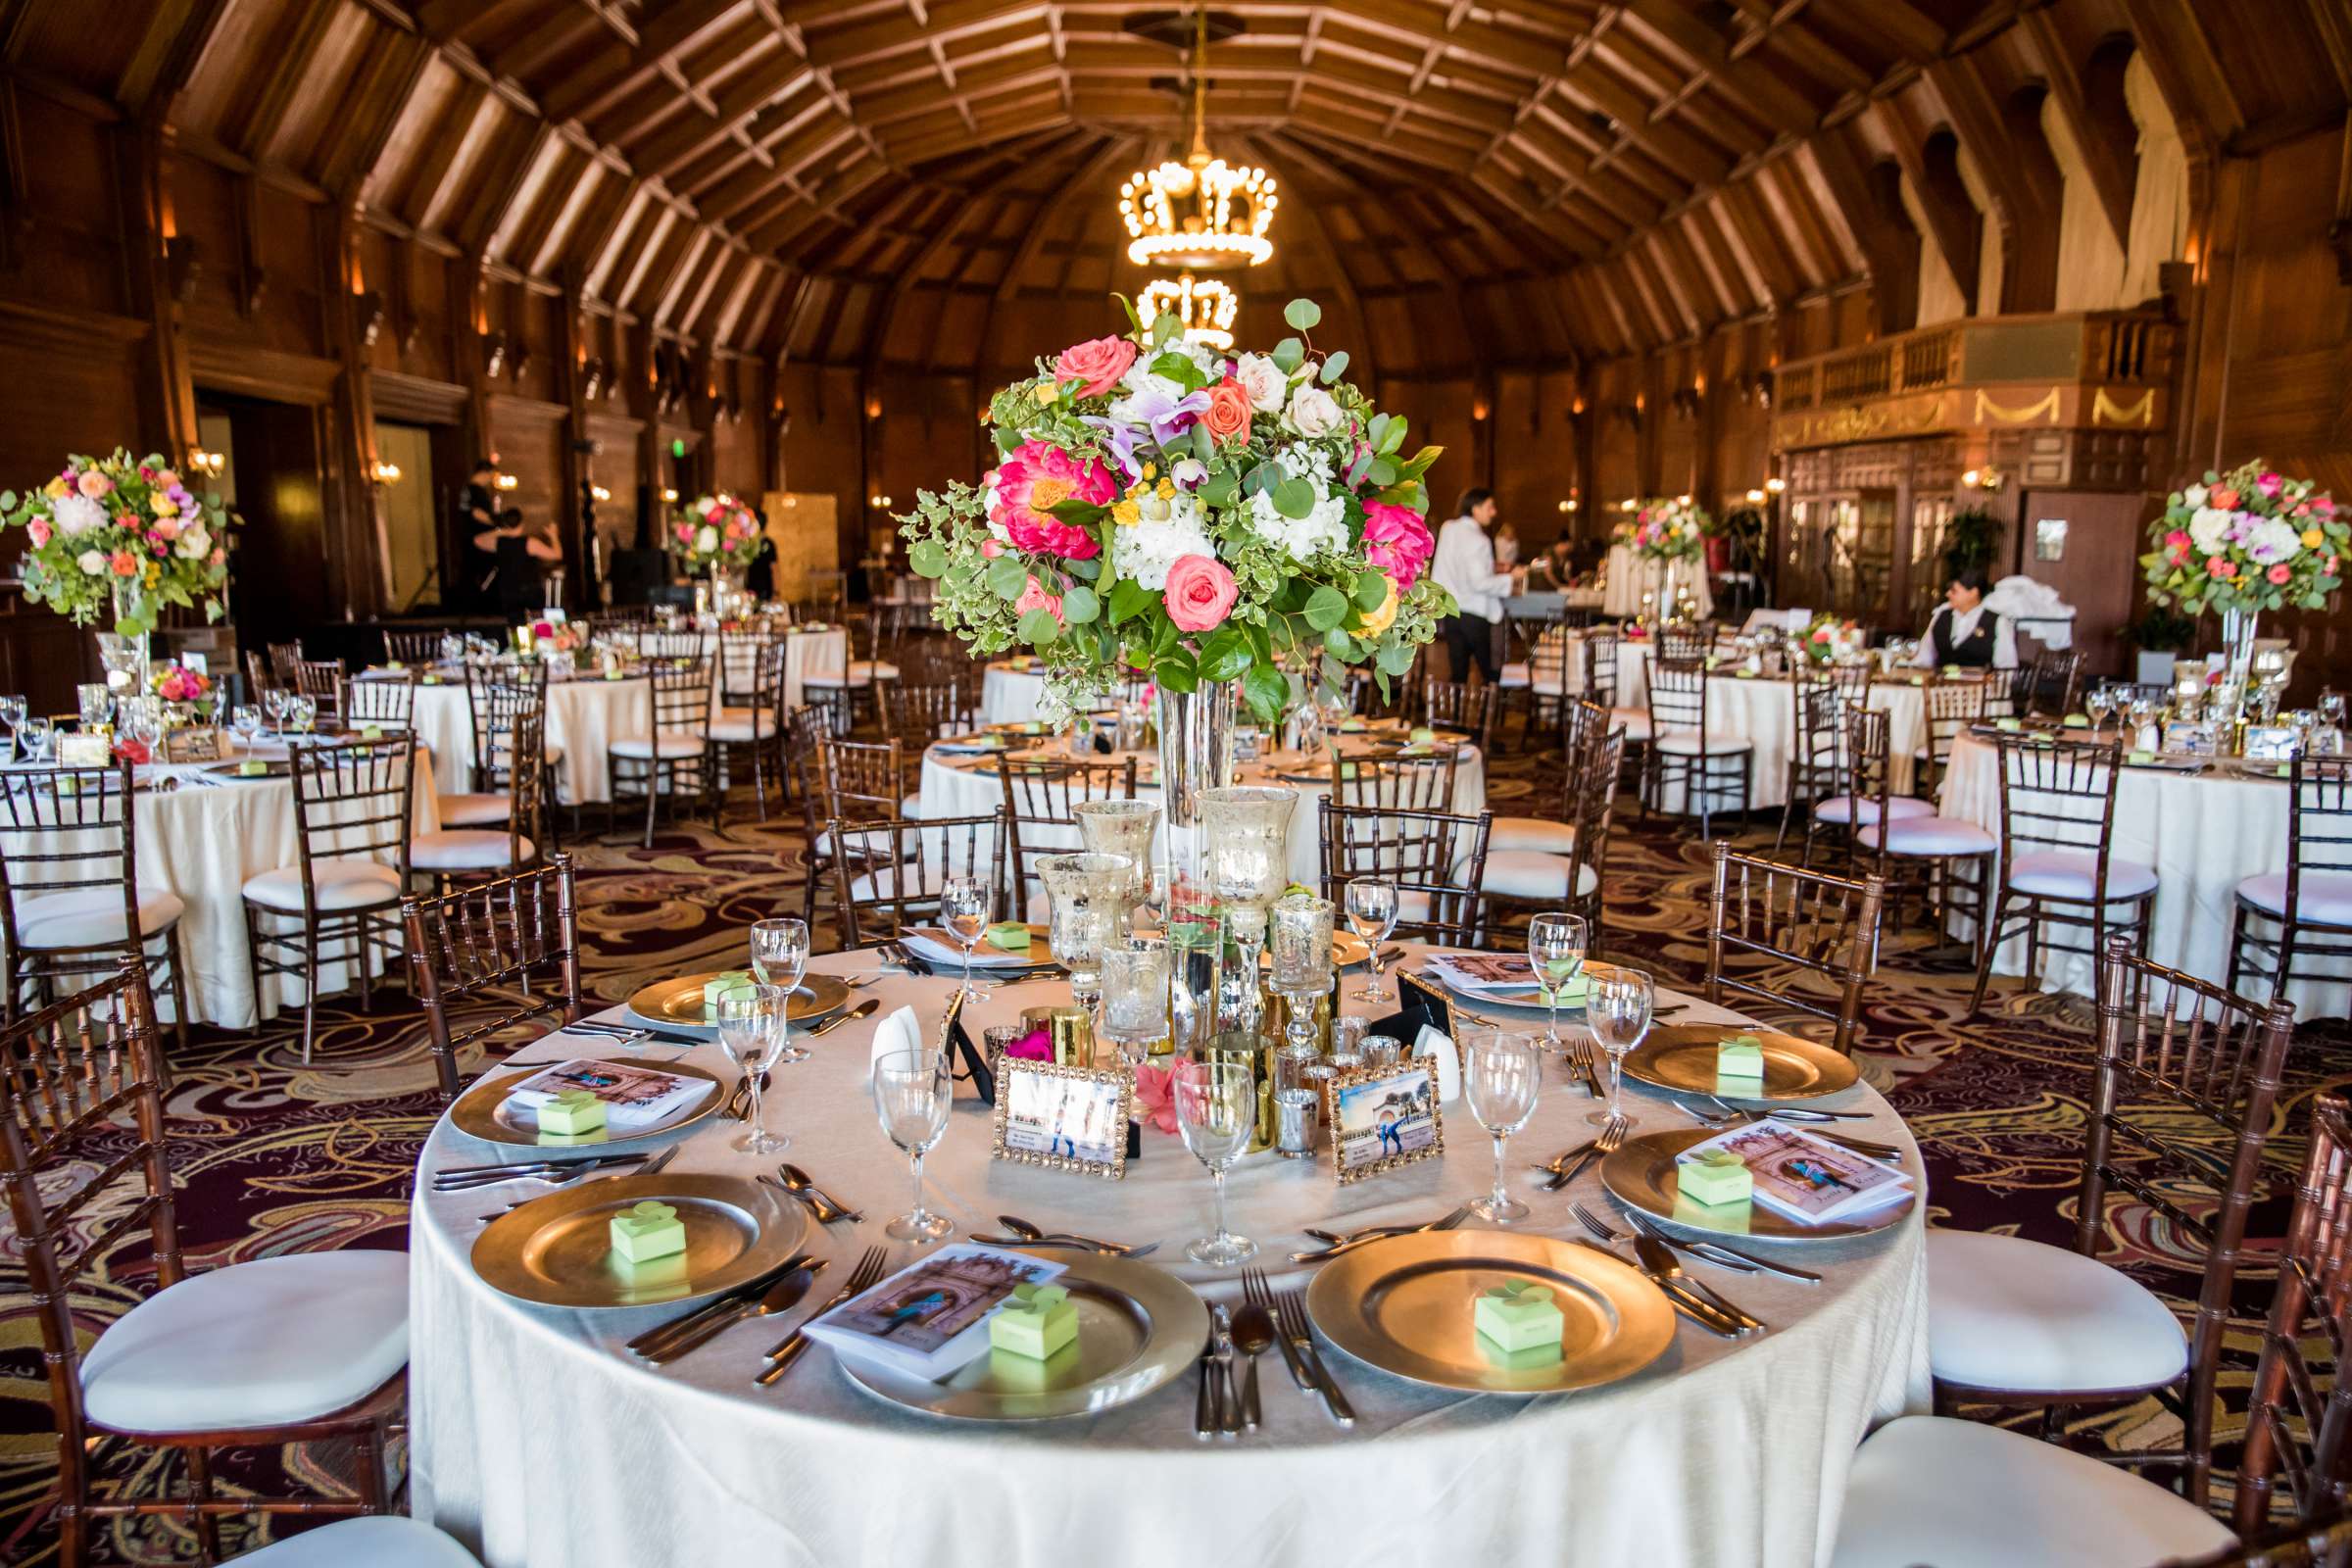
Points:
(1253, 1336)
(797, 1183)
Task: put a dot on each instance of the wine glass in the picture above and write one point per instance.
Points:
(12, 713)
(1556, 950)
(1502, 1071)
(1299, 940)
(2100, 702)
(274, 700)
(302, 709)
(1216, 1112)
(911, 1093)
(964, 904)
(1372, 912)
(37, 737)
(246, 720)
(1618, 1008)
(780, 957)
(2143, 713)
(751, 1031)
(1134, 994)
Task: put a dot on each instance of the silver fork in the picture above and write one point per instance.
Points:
(1611, 1139)
(1290, 1315)
(1259, 1293)
(788, 1350)
(1698, 1288)
(1719, 1254)
(1351, 1245)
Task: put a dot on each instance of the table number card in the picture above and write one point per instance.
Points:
(1382, 1118)
(1063, 1118)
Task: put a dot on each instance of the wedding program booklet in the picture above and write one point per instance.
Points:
(931, 1318)
(635, 1093)
(1500, 972)
(1809, 1179)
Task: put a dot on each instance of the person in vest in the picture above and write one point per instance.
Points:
(1963, 632)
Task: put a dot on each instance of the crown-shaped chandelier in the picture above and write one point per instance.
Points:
(1204, 306)
(1202, 212)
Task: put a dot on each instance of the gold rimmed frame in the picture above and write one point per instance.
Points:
(1413, 1078)
(1111, 1089)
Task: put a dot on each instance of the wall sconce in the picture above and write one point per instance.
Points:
(1755, 497)
(670, 497)
(208, 464)
(1776, 484)
(1478, 409)
(507, 482)
(879, 502)
(383, 472)
(599, 493)
(1628, 505)
(873, 408)
(1988, 478)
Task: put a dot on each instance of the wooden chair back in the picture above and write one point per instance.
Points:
(888, 875)
(1601, 667)
(678, 690)
(352, 801)
(1593, 807)
(1687, 643)
(323, 681)
(1808, 921)
(1458, 705)
(69, 830)
(915, 713)
(1040, 799)
(864, 779)
(386, 700)
(1437, 861)
(1952, 706)
(413, 647)
(2319, 823)
(509, 948)
(2058, 796)
(670, 643)
(1678, 698)
(1417, 783)
(744, 656)
(285, 660)
(2050, 684)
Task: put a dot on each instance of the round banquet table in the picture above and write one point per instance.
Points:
(539, 1443)
(201, 836)
(1630, 577)
(2203, 833)
(1010, 696)
(956, 785)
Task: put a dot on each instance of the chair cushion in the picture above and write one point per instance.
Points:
(1690, 743)
(861, 672)
(674, 743)
(269, 1342)
(378, 1541)
(1842, 808)
(1963, 1495)
(2067, 873)
(1515, 676)
(1635, 721)
(2325, 896)
(475, 810)
(2008, 1313)
(743, 724)
(91, 917)
(1929, 835)
(1530, 874)
(465, 848)
(342, 885)
(1530, 833)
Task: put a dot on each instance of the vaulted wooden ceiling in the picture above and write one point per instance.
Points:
(858, 179)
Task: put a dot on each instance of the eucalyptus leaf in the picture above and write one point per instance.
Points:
(1395, 658)
(1079, 607)
(1303, 314)
(1261, 478)
(1382, 473)
(1078, 514)
(928, 558)
(1083, 571)
(1326, 607)
(1293, 498)
(1007, 576)
(1267, 690)
(1039, 628)
(1371, 591)
(1335, 365)
(1288, 355)
(1338, 644)
(1166, 329)
(1389, 440)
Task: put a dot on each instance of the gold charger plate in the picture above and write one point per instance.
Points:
(678, 1004)
(1641, 1175)
(556, 1251)
(482, 1113)
(1405, 1306)
(1682, 1057)
(1139, 1328)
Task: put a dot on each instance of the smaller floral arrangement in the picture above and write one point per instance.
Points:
(715, 530)
(2247, 541)
(558, 637)
(175, 683)
(1829, 636)
(1662, 529)
(117, 539)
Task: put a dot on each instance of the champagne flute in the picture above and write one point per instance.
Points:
(1372, 912)
(1618, 1007)
(1216, 1112)
(1556, 950)
(911, 1092)
(965, 903)
(1502, 1071)
(780, 957)
(751, 1031)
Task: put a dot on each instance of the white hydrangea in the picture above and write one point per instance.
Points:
(2271, 540)
(2193, 497)
(194, 543)
(2209, 530)
(74, 513)
(1323, 529)
(1143, 551)
(705, 540)
(1312, 463)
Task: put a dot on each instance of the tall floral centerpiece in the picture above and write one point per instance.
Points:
(115, 540)
(2241, 543)
(1672, 532)
(1166, 507)
(715, 534)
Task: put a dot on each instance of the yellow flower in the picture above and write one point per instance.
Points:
(164, 506)
(1151, 470)
(1377, 621)
(2313, 538)
(1045, 392)
(1167, 490)
(1127, 513)
(55, 489)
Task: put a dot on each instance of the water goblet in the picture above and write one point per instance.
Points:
(274, 702)
(1135, 994)
(1298, 940)
(964, 906)
(1618, 1007)
(2143, 713)
(94, 703)
(246, 719)
(1501, 1072)
(2100, 702)
(751, 1031)
(1372, 912)
(302, 709)
(779, 958)
(1556, 950)
(911, 1093)
(1216, 1112)
(12, 713)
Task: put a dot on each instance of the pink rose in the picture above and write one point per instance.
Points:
(2280, 573)
(1228, 414)
(1397, 541)
(685, 531)
(1200, 594)
(39, 529)
(93, 485)
(1035, 597)
(165, 529)
(1096, 363)
(1035, 479)
(2176, 540)
(1035, 1046)
(2219, 566)
(2268, 484)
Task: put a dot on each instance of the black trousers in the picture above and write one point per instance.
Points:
(1470, 640)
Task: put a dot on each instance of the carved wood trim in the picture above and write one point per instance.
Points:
(234, 365)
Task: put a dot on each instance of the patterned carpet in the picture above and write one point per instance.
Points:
(273, 1157)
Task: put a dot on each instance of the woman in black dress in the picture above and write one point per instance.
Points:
(523, 552)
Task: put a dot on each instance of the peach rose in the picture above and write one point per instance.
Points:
(1096, 365)
(1228, 416)
(93, 485)
(1035, 597)
(1201, 593)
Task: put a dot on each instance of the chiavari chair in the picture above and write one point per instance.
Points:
(322, 680)
(1889, 837)
(806, 730)
(1417, 783)
(673, 756)
(387, 702)
(854, 686)
(257, 676)
(1040, 799)
(492, 695)
(827, 596)
(238, 1356)
(450, 853)
(1793, 919)
(904, 867)
(285, 660)
(915, 713)
(672, 643)
(1527, 880)
(1524, 634)
(413, 647)
(340, 901)
(71, 904)
(741, 651)
(1817, 765)
(2050, 684)
(1685, 643)
(2057, 829)
(754, 725)
(2309, 904)
(1460, 706)
(1583, 724)
(1437, 861)
(1709, 773)
(490, 958)
(1952, 706)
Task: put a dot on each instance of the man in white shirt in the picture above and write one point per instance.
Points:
(1963, 632)
(1464, 567)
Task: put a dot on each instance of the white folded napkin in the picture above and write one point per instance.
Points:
(896, 1033)
(1438, 1046)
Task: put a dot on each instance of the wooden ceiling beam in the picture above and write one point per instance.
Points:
(2110, 176)
(1952, 216)
(1750, 84)
(614, 73)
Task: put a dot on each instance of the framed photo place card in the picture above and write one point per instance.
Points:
(1063, 1118)
(1382, 1118)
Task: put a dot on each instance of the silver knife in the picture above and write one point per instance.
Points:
(1660, 1264)
(783, 1294)
(1229, 1397)
(1205, 1403)
(687, 1322)
(1712, 1251)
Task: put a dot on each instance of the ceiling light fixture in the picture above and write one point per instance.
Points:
(1202, 212)
(1204, 306)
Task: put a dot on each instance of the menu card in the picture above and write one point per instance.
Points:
(930, 1317)
(634, 1095)
(1497, 973)
(1809, 1179)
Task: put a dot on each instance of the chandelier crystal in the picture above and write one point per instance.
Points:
(1202, 212)
(1204, 306)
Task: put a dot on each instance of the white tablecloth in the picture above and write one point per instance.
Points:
(2203, 834)
(1631, 576)
(1010, 696)
(539, 1443)
(950, 790)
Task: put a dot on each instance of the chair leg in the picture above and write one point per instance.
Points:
(200, 1491)
(1988, 932)
(2237, 937)
(310, 987)
(652, 796)
(2286, 960)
